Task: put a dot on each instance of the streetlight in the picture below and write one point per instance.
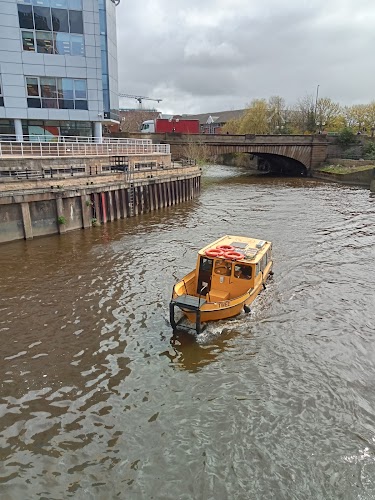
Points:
(316, 100)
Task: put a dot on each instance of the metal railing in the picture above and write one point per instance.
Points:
(85, 171)
(69, 149)
(75, 138)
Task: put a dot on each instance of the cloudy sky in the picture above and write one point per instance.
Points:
(214, 55)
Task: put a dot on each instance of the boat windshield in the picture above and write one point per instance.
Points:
(223, 267)
(243, 272)
(206, 264)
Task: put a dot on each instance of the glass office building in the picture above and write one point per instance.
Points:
(58, 67)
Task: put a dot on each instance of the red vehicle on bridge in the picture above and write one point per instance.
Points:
(170, 125)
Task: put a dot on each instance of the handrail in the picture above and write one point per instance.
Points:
(80, 139)
(72, 148)
(200, 295)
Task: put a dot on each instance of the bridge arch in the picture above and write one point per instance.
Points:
(278, 164)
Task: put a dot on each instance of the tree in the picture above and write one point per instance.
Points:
(326, 112)
(131, 121)
(304, 115)
(276, 114)
(346, 137)
(255, 118)
(370, 116)
(232, 126)
(356, 116)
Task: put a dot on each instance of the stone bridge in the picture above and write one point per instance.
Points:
(294, 154)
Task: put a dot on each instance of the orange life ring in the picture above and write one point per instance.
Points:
(226, 248)
(233, 255)
(214, 252)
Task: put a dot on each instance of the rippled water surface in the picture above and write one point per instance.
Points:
(98, 399)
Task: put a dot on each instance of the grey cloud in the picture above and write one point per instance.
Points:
(263, 48)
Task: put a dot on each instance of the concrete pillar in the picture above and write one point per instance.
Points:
(124, 212)
(157, 197)
(136, 200)
(104, 207)
(86, 211)
(98, 132)
(110, 206)
(151, 196)
(60, 213)
(165, 194)
(169, 194)
(161, 201)
(97, 207)
(174, 195)
(142, 199)
(18, 129)
(26, 221)
(117, 202)
(156, 201)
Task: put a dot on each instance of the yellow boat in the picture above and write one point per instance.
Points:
(230, 273)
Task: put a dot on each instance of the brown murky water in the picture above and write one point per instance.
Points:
(98, 401)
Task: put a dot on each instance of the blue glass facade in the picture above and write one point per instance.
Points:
(58, 63)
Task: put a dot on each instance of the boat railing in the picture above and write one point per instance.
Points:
(200, 294)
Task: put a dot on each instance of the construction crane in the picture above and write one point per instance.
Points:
(140, 98)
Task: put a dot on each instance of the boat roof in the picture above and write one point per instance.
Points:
(252, 248)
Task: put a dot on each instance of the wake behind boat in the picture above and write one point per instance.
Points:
(230, 273)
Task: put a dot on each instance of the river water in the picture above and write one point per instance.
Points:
(98, 400)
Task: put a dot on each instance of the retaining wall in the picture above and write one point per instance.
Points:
(28, 212)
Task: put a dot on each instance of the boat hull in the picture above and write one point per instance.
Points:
(222, 310)
(214, 311)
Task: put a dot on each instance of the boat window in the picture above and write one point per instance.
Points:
(223, 267)
(263, 263)
(242, 272)
(206, 264)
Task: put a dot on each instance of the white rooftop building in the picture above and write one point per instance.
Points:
(58, 67)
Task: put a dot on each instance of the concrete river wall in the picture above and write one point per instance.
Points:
(31, 208)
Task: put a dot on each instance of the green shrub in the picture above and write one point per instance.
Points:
(61, 219)
(346, 137)
(369, 151)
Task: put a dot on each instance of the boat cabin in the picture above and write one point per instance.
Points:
(228, 274)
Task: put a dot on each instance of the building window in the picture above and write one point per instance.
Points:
(60, 20)
(53, 26)
(25, 16)
(56, 93)
(28, 41)
(75, 21)
(7, 128)
(44, 42)
(49, 130)
(42, 18)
